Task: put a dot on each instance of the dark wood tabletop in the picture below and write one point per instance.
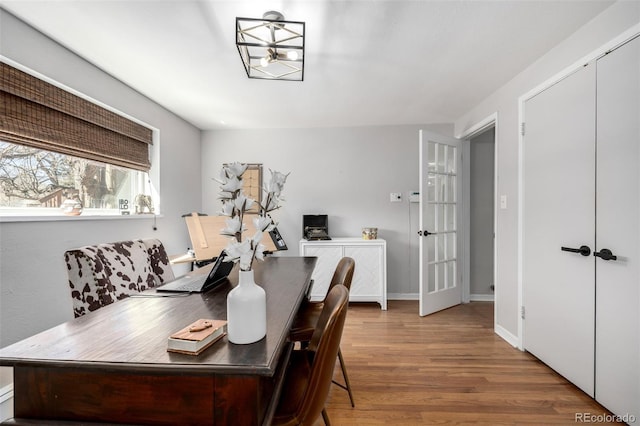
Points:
(112, 365)
(132, 333)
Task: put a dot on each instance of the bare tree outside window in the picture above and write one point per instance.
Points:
(31, 177)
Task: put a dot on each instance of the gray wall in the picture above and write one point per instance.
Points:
(34, 293)
(346, 173)
(481, 215)
(620, 17)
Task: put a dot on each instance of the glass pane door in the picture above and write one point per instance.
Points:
(439, 183)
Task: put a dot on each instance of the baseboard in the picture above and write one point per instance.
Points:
(507, 336)
(403, 296)
(6, 402)
(481, 297)
(416, 296)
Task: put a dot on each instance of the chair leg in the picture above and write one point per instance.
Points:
(325, 417)
(347, 385)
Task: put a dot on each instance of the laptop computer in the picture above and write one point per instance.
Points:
(199, 283)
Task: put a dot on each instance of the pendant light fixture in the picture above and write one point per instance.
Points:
(271, 48)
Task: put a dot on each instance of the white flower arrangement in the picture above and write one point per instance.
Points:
(235, 204)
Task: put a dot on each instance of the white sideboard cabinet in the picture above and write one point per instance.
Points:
(370, 278)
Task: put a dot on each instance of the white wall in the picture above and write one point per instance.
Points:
(346, 173)
(34, 293)
(605, 27)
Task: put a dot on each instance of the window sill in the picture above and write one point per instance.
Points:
(84, 217)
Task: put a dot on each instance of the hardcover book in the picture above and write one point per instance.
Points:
(196, 337)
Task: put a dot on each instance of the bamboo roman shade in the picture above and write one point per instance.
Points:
(38, 114)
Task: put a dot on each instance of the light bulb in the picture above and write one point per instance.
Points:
(264, 62)
(292, 55)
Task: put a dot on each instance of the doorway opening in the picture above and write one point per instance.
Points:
(482, 283)
(482, 213)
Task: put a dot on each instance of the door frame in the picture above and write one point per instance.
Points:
(466, 135)
(621, 39)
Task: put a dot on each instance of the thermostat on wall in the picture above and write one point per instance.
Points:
(414, 197)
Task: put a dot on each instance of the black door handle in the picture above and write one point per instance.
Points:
(424, 233)
(583, 250)
(605, 254)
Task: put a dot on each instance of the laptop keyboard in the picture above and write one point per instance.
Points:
(191, 283)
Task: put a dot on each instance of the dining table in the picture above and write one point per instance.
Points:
(112, 366)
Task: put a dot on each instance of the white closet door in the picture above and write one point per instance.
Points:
(618, 229)
(558, 211)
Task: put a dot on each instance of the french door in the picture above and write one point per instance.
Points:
(439, 276)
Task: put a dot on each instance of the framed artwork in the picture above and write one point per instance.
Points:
(252, 185)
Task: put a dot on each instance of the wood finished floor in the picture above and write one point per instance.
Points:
(447, 368)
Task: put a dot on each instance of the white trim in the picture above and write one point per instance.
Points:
(616, 42)
(415, 296)
(63, 218)
(520, 218)
(595, 54)
(484, 124)
(403, 296)
(465, 216)
(482, 298)
(508, 337)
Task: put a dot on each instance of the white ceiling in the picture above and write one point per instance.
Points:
(367, 62)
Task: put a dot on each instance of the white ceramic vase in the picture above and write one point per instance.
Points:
(246, 311)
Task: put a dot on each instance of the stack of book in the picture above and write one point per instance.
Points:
(196, 337)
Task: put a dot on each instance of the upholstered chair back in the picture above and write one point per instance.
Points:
(102, 274)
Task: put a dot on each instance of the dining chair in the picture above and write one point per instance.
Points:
(310, 370)
(306, 319)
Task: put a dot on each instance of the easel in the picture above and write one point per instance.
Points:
(206, 240)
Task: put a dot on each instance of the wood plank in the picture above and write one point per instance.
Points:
(449, 367)
(89, 395)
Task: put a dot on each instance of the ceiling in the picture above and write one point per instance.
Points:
(367, 62)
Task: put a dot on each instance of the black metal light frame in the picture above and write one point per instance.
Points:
(265, 43)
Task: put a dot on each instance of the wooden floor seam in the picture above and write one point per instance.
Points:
(446, 368)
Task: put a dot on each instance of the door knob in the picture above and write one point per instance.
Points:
(583, 250)
(605, 254)
(424, 233)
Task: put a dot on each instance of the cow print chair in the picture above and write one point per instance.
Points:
(102, 274)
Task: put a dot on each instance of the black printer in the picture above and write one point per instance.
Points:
(315, 227)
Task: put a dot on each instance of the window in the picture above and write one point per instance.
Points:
(62, 153)
(44, 183)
